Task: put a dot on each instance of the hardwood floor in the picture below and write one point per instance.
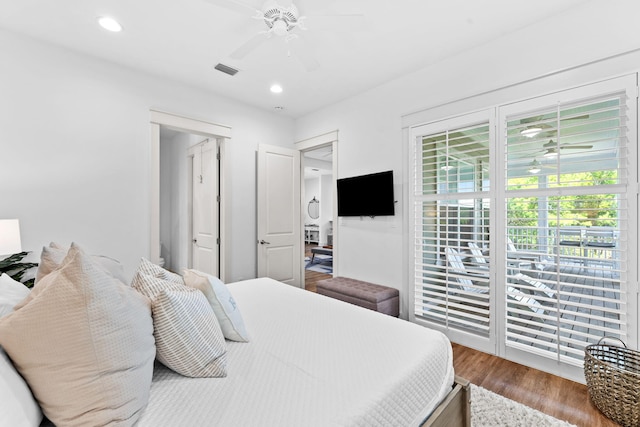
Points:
(312, 277)
(559, 397)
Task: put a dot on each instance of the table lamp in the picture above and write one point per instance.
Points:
(10, 237)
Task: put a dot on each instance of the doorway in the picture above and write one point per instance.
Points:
(318, 215)
(320, 241)
(189, 190)
(197, 130)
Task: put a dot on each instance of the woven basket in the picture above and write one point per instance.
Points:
(613, 379)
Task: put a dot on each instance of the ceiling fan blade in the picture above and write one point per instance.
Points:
(250, 45)
(576, 147)
(235, 5)
(304, 54)
(581, 117)
(329, 22)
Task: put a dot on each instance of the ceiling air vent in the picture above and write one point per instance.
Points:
(226, 69)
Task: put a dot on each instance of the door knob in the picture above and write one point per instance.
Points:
(262, 242)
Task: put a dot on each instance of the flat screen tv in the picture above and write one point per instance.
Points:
(366, 195)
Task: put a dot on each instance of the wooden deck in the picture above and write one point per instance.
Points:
(587, 299)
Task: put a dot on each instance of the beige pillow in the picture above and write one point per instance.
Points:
(52, 256)
(84, 344)
(188, 337)
(222, 302)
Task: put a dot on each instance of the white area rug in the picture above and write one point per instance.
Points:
(491, 409)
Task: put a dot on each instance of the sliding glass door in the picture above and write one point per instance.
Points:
(451, 212)
(567, 162)
(522, 227)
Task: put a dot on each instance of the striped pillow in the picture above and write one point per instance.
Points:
(188, 336)
(151, 269)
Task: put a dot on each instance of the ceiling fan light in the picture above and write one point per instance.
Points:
(279, 27)
(530, 132)
(551, 152)
(534, 167)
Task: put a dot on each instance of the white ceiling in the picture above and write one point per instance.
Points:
(185, 39)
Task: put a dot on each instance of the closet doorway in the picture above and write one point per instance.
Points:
(171, 207)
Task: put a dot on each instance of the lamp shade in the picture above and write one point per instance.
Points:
(10, 236)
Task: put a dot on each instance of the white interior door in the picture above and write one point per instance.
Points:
(204, 202)
(278, 214)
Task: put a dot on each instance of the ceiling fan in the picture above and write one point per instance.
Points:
(552, 149)
(285, 22)
(534, 126)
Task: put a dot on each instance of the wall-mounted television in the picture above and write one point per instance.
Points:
(366, 195)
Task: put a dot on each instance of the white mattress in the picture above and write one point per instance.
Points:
(312, 361)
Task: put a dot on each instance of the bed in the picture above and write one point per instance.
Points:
(312, 361)
(315, 361)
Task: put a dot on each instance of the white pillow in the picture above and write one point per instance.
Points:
(221, 301)
(84, 344)
(17, 406)
(52, 256)
(11, 293)
(188, 337)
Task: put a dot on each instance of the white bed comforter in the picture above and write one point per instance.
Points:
(312, 361)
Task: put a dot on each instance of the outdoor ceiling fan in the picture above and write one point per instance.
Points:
(537, 125)
(285, 22)
(552, 149)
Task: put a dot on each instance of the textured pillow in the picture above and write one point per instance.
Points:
(52, 256)
(188, 337)
(222, 303)
(17, 405)
(11, 293)
(84, 344)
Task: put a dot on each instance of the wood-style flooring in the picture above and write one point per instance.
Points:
(312, 277)
(558, 397)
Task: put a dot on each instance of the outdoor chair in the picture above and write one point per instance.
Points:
(524, 301)
(464, 278)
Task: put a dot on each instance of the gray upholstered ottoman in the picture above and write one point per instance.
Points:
(374, 297)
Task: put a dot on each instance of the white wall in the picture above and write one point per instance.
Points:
(311, 190)
(326, 206)
(75, 151)
(370, 125)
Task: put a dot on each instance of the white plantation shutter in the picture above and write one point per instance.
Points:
(525, 234)
(451, 217)
(567, 225)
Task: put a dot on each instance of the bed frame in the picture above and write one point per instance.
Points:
(455, 409)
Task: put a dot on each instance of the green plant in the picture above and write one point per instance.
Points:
(15, 268)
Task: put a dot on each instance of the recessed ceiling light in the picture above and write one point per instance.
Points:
(276, 88)
(109, 24)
